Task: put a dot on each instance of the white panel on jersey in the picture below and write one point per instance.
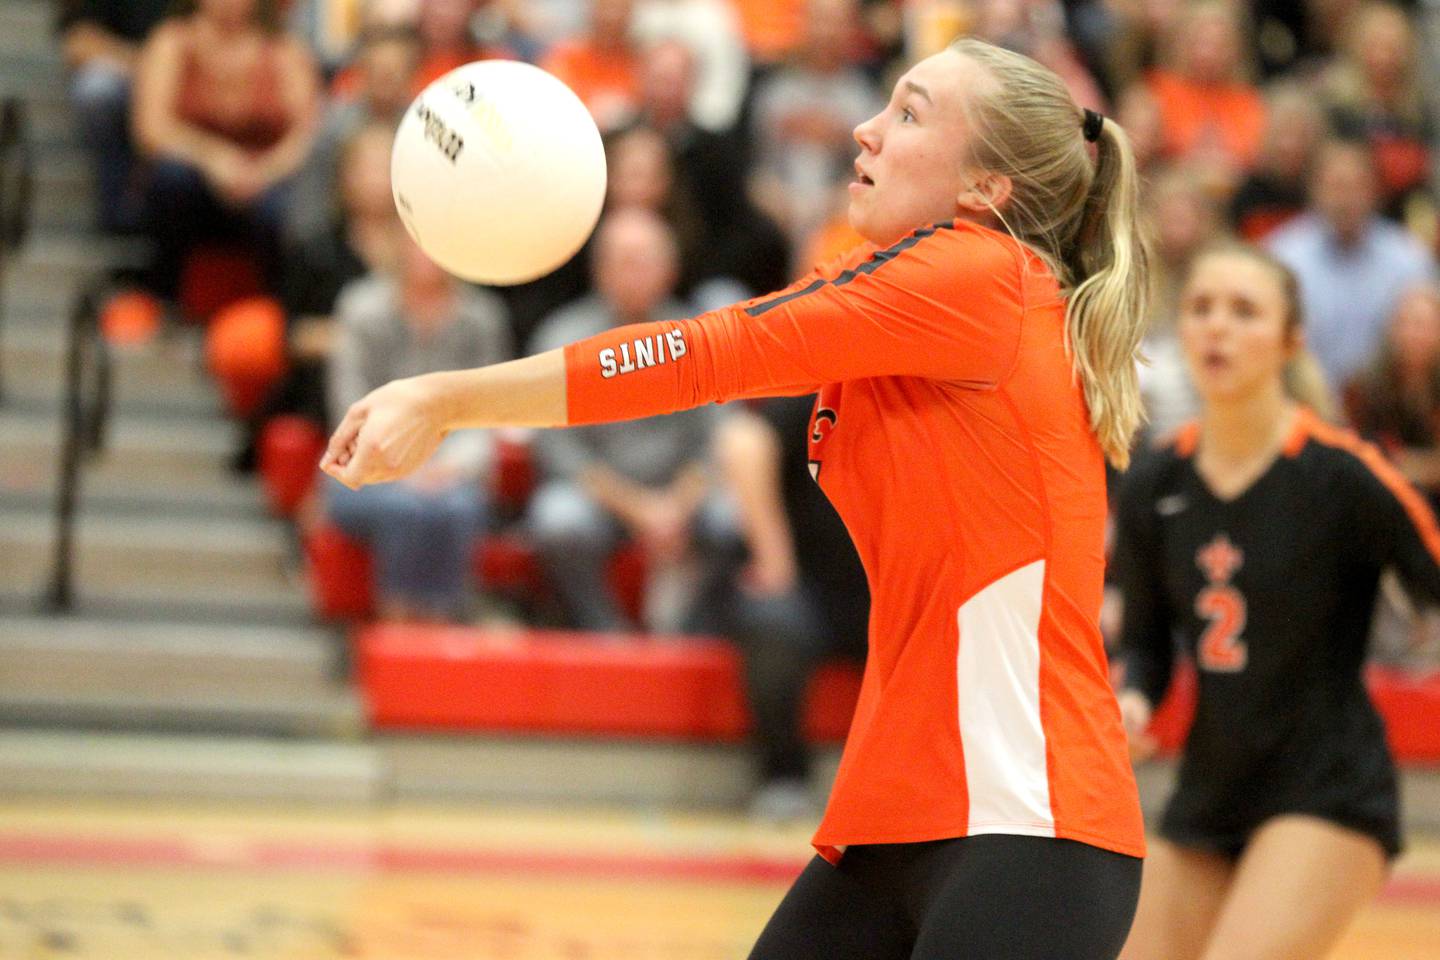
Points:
(998, 672)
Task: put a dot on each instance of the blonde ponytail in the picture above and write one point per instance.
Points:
(1305, 383)
(1106, 316)
(1081, 216)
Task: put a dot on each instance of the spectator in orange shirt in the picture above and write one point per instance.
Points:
(603, 67)
(1211, 114)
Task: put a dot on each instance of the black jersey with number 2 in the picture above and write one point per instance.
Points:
(1272, 593)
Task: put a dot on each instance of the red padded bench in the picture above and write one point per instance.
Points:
(568, 684)
(545, 682)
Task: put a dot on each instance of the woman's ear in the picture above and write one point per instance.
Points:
(985, 193)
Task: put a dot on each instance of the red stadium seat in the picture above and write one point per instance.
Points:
(514, 474)
(341, 575)
(214, 276)
(289, 451)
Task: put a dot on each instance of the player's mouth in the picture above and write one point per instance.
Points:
(1213, 361)
(862, 178)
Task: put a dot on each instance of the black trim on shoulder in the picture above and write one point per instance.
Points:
(876, 260)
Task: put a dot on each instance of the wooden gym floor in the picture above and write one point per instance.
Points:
(131, 881)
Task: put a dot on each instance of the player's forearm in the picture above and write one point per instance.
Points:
(529, 392)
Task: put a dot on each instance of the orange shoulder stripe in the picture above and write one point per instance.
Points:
(1415, 506)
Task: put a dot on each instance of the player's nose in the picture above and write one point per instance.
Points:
(867, 135)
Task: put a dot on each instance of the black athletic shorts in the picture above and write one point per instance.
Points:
(991, 897)
(1355, 790)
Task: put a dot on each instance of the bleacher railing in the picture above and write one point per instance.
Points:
(87, 402)
(17, 188)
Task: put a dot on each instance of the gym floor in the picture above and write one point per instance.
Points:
(131, 881)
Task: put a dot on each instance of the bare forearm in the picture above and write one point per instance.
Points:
(749, 457)
(529, 392)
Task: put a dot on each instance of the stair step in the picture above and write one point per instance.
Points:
(240, 501)
(135, 656)
(72, 763)
(138, 454)
(135, 552)
(165, 374)
(59, 257)
(335, 712)
(32, 21)
(276, 605)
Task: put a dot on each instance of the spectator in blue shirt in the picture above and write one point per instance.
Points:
(1352, 264)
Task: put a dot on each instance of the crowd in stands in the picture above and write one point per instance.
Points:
(261, 129)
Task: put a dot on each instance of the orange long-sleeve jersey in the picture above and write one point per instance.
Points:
(954, 441)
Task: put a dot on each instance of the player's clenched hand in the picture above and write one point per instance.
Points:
(385, 435)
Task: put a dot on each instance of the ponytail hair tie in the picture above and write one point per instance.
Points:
(1090, 125)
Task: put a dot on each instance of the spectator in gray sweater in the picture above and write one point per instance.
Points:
(422, 528)
(643, 480)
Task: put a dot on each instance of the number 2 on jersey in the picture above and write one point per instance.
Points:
(1220, 649)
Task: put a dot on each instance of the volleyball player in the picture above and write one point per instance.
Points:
(975, 365)
(1259, 534)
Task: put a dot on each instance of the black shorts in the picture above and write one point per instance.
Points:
(1224, 793)
(1228, 838)
(991, 897)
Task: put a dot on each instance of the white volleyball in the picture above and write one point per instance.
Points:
(498, 172)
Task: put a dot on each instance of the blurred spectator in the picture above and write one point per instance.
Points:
(1036, 28)
(603, 66)
(1124, 37)
(834, 238)
(1274, 192)
(448, 40)
(331, 28)
(1138, 112)
(422, 529)
(1183, 219)
(804, 117)
(385, 69)
(801, 597)
(363, 237)
(743, 242)
(772, 28)
(100, 40)
(1374, 94)
(225, 109)
(642, 175)
(710, 30)
(1352, 264)
(643, 480)
(1396, 402)
(1211, 116)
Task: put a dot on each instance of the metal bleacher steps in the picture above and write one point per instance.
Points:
(189, 666)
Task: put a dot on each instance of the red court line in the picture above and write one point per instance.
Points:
(57, 850)
(79, 851)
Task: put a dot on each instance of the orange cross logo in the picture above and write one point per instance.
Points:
(1219, 559)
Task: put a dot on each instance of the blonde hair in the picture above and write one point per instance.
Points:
(1080, 216)
(1303, 377)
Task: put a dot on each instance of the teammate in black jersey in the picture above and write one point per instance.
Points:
(1258, 535)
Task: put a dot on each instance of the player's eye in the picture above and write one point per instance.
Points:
(907, 115)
